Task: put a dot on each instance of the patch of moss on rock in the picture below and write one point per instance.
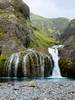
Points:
(42, 40)
(3, 58)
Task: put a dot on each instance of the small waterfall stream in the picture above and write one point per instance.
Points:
(13, 59)
(55, 55)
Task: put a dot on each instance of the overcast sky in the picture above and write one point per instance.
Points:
(52, 8)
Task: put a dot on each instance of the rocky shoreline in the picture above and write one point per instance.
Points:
(51, 89)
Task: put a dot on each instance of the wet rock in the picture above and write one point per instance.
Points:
(30, 63)
(67, 62)
(36, 98)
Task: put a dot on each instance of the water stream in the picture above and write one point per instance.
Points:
(34, 64)
(55, 55)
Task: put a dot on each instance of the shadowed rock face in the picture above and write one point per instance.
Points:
(30, 63)
(68, 37)
(67, 62)
(15, 32)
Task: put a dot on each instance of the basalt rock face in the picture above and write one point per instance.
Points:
(30, 63)
(68, 37)
(20, 6)
(67, 62)
(15, 31)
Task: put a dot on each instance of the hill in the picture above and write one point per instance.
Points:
(49, 25)
(16, 30)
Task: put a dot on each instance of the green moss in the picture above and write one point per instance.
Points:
(1, 34)
(2, 64)
(42, 40)
(2, 60)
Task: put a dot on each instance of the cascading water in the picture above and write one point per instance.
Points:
(15, 60)
(28, 64)
(54, 52)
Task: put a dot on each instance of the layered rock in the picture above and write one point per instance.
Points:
(15, 32)
(30, 63)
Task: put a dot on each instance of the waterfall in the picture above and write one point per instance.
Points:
(24, 64)
(16, 63)
(54, 52)
(13, 64)
(9, 64)
(30, 63)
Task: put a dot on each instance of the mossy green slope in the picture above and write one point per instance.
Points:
(49, 25)
(42, 40)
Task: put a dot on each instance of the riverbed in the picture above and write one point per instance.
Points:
(45, 89)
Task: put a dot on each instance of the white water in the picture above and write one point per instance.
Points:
(10, 61)
(54, 52)
(16, 63)
(14, 57)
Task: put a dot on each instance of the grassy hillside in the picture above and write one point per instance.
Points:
(51, 26)
(42, 39)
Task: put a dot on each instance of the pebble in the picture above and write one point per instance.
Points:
(38, 90)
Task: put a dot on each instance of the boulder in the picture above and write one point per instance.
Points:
(67, 62)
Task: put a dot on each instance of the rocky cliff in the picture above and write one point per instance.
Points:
(68, 37)
(15, 32)
(67, 60)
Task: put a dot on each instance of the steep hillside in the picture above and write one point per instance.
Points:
(51, 26)
(42, 39)
(16, 31)
(68, 37)
(67, 60)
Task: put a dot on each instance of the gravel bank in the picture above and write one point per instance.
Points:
(38, 90)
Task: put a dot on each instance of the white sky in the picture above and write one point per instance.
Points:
(52, 8)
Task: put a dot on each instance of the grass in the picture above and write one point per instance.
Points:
(42, 40)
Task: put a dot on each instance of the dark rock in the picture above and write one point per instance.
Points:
(67, 62)
(68, 36)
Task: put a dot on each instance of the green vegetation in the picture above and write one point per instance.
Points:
(1, 34)
(42, 40)
(2, 64)
(2, 60)
(50, 25)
